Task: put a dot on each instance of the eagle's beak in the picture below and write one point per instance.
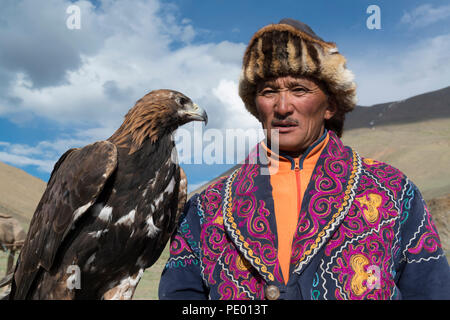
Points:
(194, 113)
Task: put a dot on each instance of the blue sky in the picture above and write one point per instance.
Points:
(62, 88)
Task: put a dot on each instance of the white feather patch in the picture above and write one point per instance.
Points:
(77, 213)
(127, 219)
(169, 189)
(152, 230)
(97, 234)
(90, 260)
(158, 199)
(105, 214)
(170, 186)
(127, 286)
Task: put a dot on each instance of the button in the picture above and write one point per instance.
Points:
(272, 292)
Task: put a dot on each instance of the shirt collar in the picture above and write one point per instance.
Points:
(286, 162)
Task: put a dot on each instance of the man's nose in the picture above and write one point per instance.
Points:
(283, 105)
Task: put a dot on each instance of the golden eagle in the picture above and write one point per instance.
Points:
(109, 208)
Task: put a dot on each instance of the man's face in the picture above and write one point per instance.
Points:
(297, 107)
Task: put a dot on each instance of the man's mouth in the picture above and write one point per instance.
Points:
(284, 126)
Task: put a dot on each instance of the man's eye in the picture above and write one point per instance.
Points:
(299, 90)
(268, 92)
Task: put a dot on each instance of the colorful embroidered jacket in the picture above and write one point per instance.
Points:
(364, 232)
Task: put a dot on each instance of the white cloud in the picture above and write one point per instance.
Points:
(44, 154)
(17, 160)
(425, 15)
(35, 40)
(137, 49)
(89, 78)
(120, 53)
(236, 114)
(390, 75)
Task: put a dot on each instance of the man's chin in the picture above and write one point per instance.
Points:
(287, 145)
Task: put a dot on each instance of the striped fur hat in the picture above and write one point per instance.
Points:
(292, 48)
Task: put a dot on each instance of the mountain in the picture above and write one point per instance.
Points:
(412, 135)
(20, 193)
(423, 107)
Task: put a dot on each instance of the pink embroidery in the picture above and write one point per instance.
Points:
(429, 240)
(372, 250)
(177, 245)
(328, 193)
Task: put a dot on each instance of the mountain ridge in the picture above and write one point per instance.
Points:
(408, 110)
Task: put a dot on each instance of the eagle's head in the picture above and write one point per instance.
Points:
(157, 113)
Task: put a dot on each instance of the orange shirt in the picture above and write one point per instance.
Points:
(289, 178)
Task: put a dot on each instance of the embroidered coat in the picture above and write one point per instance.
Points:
(364, 232)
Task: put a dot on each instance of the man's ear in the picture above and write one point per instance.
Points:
(331, 109)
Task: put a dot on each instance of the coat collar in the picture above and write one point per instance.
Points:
(283, 161)
(248, 208)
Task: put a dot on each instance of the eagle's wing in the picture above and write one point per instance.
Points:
(172, 210)
(182, 197)
(164, 200)
(75, 183)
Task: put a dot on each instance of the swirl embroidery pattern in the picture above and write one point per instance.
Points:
(429, 240)
(365, 240)
(222, 261)
(212, 237)
(246, 220)
(327, 204)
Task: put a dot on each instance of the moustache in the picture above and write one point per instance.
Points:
(284, 123)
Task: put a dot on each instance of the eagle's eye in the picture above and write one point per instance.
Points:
(182, 101)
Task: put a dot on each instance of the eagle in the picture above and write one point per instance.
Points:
(109, 208)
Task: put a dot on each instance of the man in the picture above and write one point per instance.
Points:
(325, 223)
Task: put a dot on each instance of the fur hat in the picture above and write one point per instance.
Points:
(292, 48)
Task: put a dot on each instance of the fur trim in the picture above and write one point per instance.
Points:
(281, 49)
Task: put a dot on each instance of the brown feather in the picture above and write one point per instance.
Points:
(143, 121)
